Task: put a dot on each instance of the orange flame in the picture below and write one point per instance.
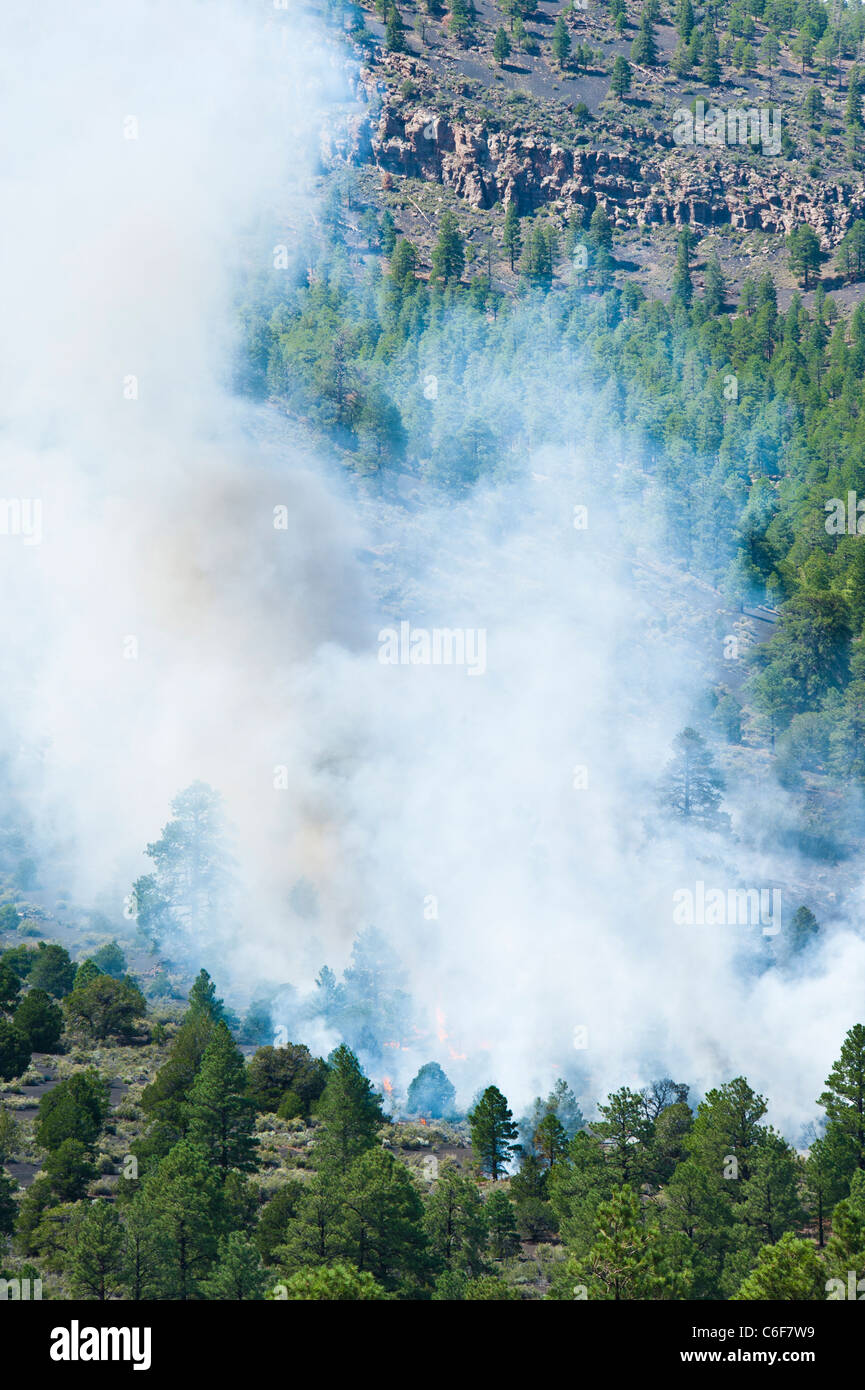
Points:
(388, 1085)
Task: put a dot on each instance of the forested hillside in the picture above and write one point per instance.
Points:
(537, 243)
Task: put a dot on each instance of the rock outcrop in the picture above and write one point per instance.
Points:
(650, 181)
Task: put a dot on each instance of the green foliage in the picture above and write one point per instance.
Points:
(627, 1257)
(493, 1132)
(275, 1072)
(40, 1020)
(349, 1111)
(110, 959)
(185, 894)
(456, 1222)
(220, 1114)
(74, 1109)
(238, 1275)
(182, 1201)
(644, 49)
(69, 1169)
(430, 1093)
(52, 970)
(805, 256)
(166, 1099)
(105, 1007)
(789, 1270)
(561, 42)
(15, 1051)
(277, 1212)
(202, 998)
(488, 1288)
(88, 970)
(448, 257)
(620, 81)
(501, 1216)
(96, 1253)
(844, 1096)
(338, 1282)
(10, 987)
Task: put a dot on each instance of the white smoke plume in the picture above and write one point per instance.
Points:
(163, 629)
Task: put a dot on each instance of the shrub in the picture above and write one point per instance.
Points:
(105, 1007)
(15, 1051)
(40, 1020)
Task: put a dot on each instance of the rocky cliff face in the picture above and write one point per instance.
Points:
(662, 183)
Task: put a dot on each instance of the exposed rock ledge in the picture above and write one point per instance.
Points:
(665, 185)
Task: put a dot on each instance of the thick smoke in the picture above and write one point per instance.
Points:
(496, 818)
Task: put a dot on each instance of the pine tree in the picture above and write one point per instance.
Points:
(770, 1204)
(853, 110)
(804, 248)
(394, 41)
(221, 1114)
(504, 1239)
(804, 929)
(182, 1200)
(238, 1275)
(644, 49)
(8, 1205)
(844, 1096)
(431, 1093)
(381, 1228)
(202, 997)
(448, 257)
(314, 1235)
(682, 287)
(625, 1127)
(600, 229)
(845, 1249)
(710, 70)
(788, 1271)
(40, 1020)
(620, 81)
(715, 286)
(144, 1248)
(512, 237)
(338, 1283)
(501, 47)
(685, 19)
(561, 42)
(693, 782)
(166, 1099)
(727, 1124)
(550, 1140)
(455, 1221)
(827, 1176)
(626, 1259)
(96, 1253)
(493, 1131)
(350, 1112)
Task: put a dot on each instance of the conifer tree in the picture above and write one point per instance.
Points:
(455, 1220)
(512, 237)
(350, 1112)
(693, 782)
(493, 1132)
(644, 49)
(96, 1252)
(844, 1096)
(221, 1114)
